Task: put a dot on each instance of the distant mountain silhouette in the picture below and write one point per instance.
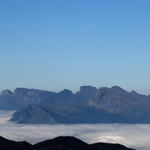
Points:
(59, 143)
(88, 105)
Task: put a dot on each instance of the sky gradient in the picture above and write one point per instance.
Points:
(57, 44)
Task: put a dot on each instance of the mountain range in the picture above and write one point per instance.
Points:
(59, 143)
(88, 105)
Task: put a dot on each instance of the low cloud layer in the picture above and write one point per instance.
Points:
(136, 136)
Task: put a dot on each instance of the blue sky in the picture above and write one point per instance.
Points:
(57, 44)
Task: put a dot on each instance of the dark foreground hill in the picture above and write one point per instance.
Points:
(6, 144)
(59, 143)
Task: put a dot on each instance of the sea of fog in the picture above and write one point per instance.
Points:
(135, 136)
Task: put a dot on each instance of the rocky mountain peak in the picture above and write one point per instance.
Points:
(6, 93)
(84, 89)
(66, 92)
(118, 89)
(19, 91)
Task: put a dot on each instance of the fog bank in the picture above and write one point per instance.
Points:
(135, 136)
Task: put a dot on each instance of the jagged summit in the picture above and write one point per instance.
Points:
(117, 88)
(66, 92)
(21, 90)
(6, 92)
(87, 89)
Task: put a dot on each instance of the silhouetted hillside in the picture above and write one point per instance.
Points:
(59, 143)
(6, 144)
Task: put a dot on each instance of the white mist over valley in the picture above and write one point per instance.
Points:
(132, 135)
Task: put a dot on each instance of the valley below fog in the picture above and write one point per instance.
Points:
(132, 135)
